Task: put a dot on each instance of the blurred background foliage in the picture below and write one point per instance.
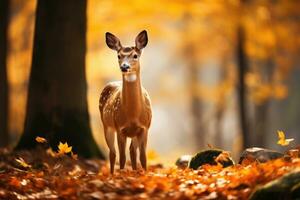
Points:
(218, 72)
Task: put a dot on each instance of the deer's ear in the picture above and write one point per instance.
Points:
(141, 40)
(112, 41)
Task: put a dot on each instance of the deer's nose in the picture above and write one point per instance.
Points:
(124, 67)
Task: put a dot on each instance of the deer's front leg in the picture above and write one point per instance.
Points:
(110, 140)
(142, 139)
(133, 147)
(122, 146)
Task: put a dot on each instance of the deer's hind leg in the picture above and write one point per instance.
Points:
(133, 148)
(142, 142)
(110, 141)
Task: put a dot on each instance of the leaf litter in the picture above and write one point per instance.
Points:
(48, 174)
(63, 177)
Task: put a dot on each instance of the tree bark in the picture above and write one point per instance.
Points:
(242, 69)
(196, 107)
(4, 137)
(57, 96)
(221, 106)
(196, 104)
(260, 124)
(261, 119)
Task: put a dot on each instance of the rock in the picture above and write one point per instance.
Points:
(295, 191)
(284, 187)
(212, 157)
(183, 161)
(259, 154)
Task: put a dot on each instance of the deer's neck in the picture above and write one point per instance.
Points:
(132, 94)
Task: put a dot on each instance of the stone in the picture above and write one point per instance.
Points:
(212, 157)
(259, 154)
(295, 191)
(285, 187)
(183, 161)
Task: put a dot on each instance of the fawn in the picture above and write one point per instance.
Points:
(125, 106)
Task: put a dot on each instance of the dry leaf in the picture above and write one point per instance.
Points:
(22, 162)
(64, 148)
(74, 156)
(282, 140)
(152, 155)
(51, 152)
(40, 139)
(223, 157)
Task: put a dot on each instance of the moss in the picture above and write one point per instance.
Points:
(208, 157)
(281, 188)
(295, 191)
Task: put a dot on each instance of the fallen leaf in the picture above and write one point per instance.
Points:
(14, 182)
(64, 148)
(282, 140)
(223, 157)
(50, 152)
(40, 139)
(152, 155)
(74, 156)
(22, 162)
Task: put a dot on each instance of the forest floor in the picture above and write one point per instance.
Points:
(40, 175)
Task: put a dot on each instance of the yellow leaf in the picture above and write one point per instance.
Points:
(51, 152)
(152, 155)
(40, 139)
(282, 140)
(64, 148)
(22, 162)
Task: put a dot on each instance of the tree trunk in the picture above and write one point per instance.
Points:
(242, 69)
(57, 100)
(260, 124)
(221, 106)
(261, 119)
(4, 137)
(196, 107)
(189, 53)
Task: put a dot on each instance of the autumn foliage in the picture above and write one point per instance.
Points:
(40, 175)
(191, 68)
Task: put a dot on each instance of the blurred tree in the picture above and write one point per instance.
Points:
(221, 102)
(242, 68)
(57, 102)
(196, 104)
(189, 53)
(261, 117)
(270, 50)
(4, 10)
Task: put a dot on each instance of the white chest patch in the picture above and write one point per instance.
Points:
(130, 77)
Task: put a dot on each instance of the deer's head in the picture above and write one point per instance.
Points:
(128, 56)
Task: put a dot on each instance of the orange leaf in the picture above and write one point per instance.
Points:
(40, 139)
(74, 156)
(64, 148)
(51, 152)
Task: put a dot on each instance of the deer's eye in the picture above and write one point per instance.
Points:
(119, 57)
(135, 56)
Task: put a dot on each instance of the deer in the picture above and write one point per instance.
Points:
(125, 106)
